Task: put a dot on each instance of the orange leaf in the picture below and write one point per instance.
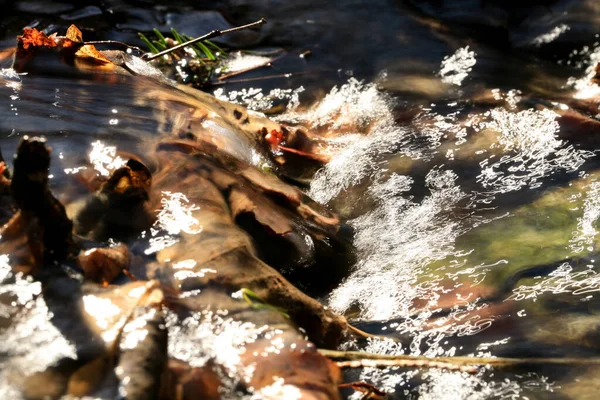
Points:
(74, 34)
(33, 37)
(89, 51)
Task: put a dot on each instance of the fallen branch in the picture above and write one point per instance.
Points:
(358, 359)
(210, 35)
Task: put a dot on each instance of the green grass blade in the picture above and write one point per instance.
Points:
(148, 43)
(206, 51)
(256, 302)
(160, 45)
(160, 36)
(222, 53)
(177, 36)
(198, 51)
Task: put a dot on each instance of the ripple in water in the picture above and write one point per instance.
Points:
(399, 238)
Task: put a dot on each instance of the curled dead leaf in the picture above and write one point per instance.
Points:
(74, 34)
(34, 38)
(90, 53)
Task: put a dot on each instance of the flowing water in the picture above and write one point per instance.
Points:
(463, 138)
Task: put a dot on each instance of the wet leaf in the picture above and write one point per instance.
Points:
(32, 195)
(282, 361)
(222, 254)
(104, 265)
(89, 377)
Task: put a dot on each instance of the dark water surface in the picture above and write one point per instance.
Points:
(464, 137)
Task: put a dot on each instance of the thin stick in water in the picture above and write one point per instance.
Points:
(210, 35)
(358, 359)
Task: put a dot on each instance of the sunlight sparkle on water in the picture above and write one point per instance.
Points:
(456, 68)
(104, 158)
(31, 335)
(174, 217)
(550, 36)
(586, 231)
(255, 99)
(585, 88)
(102, 309)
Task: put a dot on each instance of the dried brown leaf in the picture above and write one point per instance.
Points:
(34, 38)
(90, 53)
(74, 34)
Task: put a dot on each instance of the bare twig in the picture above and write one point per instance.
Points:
(370, 391)
(357, 359)
(117, 43)
(210, 35)
(261, 78)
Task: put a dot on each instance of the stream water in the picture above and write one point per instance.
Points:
(463, 137)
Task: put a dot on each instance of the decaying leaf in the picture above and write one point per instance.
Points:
(33, 38)
(69, 50)
(277, 355)
(117, 209)
(228, 252)
(104, 265)
(30, 191)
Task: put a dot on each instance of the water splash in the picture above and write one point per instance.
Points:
(30, 343)
(360, 119)
(213, 335)
(584, 86)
